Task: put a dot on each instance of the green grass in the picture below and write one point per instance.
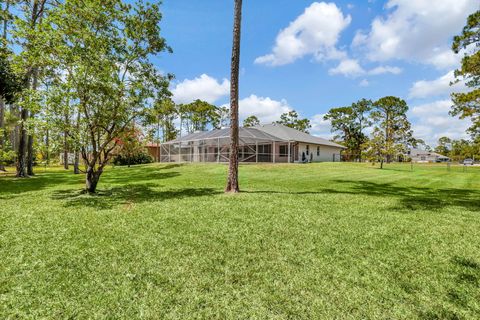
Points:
(319, 241)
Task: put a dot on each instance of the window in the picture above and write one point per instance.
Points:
(318, 151)
(283, 151)
(308, 149)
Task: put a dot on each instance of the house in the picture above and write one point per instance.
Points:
(272, 143)
(424, 156)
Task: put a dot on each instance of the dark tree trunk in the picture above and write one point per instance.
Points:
(30, 137)
(30, 156)
(232, 182)
(92, 178)
(22, 146)
(47, 147)
(2, 102)
(158, 136)
(76, 164)
(2, 134)
(65, 142)
(381, 164)
(65, 156)
(24, 159)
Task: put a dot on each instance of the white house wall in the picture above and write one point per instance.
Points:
(327, 153)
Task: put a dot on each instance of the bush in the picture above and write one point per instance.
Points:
(140, 158)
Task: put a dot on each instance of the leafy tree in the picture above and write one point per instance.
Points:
(10, 86)
(444, 146)
(291, 119)
(10, 83)
(390, 119)
(102, 49)
(461, 149)
(26, 36)
(232, 181)
(251, 121)
(350, 122)
(375, 147)
(418, 143)
(130, 148)
(467, 105)
(165, 111)
(221, 120)
(199, 115)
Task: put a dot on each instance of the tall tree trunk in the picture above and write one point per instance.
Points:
(47, 147)
(76, 164)
(2, 133)
(158, 138)
(65, 152)
(22, 145)
(2, 102)
(30, 151)
(232, 181)
(22, 159)
(15, 133)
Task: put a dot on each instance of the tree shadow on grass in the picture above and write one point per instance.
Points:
(461, 293)
(410, 198)
(127, 195)
(11, 186)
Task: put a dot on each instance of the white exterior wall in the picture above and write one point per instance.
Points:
(326, 152)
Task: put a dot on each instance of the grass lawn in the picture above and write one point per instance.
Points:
(318, 241)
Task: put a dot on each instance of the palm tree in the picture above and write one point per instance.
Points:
(232, 182)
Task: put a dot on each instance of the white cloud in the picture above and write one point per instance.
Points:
(417, 30)
(437, 87)
(315, 32)
(432, 121)
(265, 109)
(321, 127)
(351, 68)
(364, 83)
(348, 68)
(385, 69)
(204, 88)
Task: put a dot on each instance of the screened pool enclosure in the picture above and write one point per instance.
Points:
(213, 146)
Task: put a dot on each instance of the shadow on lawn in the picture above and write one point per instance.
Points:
(10, 186)
(127, 195)
(410, 198)
(461, 292)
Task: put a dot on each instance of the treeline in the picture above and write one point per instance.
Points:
(457, 150)
(171, 120)
(76, 75)
(377, 131)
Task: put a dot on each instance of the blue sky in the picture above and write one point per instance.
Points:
(311, 56)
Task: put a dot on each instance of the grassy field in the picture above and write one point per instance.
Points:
(318, 241)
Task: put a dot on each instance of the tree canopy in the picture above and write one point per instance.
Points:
(292, 119)
(251, 121)
(100, 52)
(467, 105)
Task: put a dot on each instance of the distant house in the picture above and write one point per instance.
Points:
(418, 155)
(71, 158)
(272, 143)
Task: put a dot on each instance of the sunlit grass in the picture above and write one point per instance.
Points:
(316, 241)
